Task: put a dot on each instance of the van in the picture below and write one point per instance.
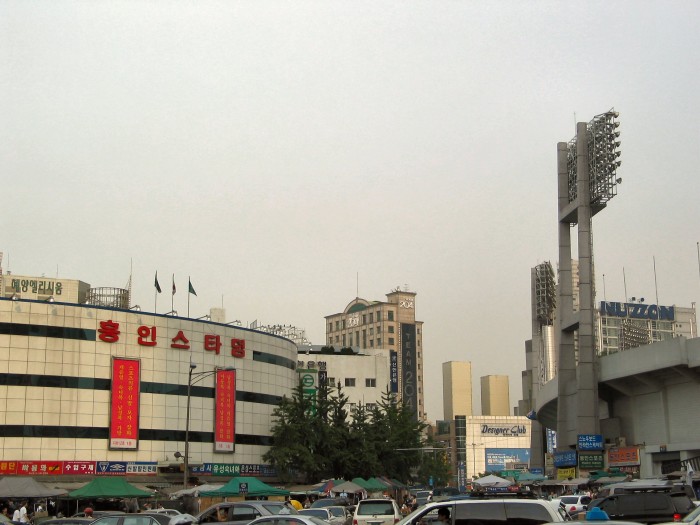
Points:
(376, 511)
(444, 493)
(646, 506)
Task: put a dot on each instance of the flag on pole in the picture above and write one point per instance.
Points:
(156, 284)
(191, 288)
(174, 289)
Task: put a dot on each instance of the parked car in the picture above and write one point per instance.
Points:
(97, 514)
(443, 493)
(328, 502)
(572, 504)
(693, 518)
(242, 512)
(647, 506)
(163, 519)
(376, 511)
(342, 513)
(494, 509)
(325, 514)
(295, 519)
(422, 497)
(129, 519)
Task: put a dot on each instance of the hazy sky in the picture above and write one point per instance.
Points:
(274, 150)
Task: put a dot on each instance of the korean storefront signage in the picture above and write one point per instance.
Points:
(225, 421)
(566, 473)
(623, 456)
(591, 461)
(565, 458)
(124, 406)
(590, 442)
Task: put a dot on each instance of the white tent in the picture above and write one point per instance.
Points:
(348, 488)
(492, 481)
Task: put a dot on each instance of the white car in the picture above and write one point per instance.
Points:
(572, 504)
(376, 511)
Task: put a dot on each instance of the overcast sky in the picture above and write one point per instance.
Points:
(275, 150)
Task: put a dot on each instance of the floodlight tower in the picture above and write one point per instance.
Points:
(587, 180)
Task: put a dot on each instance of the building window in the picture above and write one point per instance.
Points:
(371, 382)
(371, 330)
(371, 406)
(349, 381)
(330, 327)
(390, 315)
(343, 324)
(343, 340)
(379, 341)
(337, 339)
(419, 331)
(364, 319)
(391, 329)
(337, 325)
(379, 315)
(371, 318)
(357, 338)
(391, 341)
(371, 343)
(331, 382)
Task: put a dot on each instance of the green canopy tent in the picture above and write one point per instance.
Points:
(109, 487)
(362, 482)
(376, 484)
(255, 487)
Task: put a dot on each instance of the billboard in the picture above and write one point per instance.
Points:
(124, 404)
(409, 392)
(497, 458)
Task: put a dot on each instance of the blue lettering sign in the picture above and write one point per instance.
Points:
(638, 311)
(566, 458)
(590, 442)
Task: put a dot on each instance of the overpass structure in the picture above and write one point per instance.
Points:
(647, 396)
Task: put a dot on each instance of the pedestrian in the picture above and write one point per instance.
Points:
(23, 513)
(444, 515)
(88, 512)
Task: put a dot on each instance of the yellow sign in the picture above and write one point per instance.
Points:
(566, 473)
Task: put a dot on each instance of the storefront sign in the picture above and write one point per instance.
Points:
(623, 456)
(79, 467)
(498, 459)
(591, 461)
(39, 468)
(565, 458)
(590, 442)
(225, 421)
(566, 473)
(124, 414)
(409, 394)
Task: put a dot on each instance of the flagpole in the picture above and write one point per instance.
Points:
(189, 285)
(172, 296)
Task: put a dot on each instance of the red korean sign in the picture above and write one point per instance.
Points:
(79, 467)
(8, 468)
(126, 389)
(225, 420)
(39, 468)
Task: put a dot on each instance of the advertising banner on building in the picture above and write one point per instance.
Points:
(394, 370)
(409, 392)
(498, 458)
(124, 406)
(590, 442)
(225, 420)
(623, 457)
(39, 468)
(566, 473)
(565, 458)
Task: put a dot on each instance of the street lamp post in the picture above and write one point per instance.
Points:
(474, 445)
(198, 376)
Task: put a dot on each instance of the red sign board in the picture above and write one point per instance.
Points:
(78, 467)
(39, 468)
(225, 420)
(8, 468)
(126, 388)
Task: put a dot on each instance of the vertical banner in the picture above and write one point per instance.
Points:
(225, 420)
(409, 391)
(394, 371)
(124, 406)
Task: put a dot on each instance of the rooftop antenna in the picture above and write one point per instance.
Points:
(624, 280)
(357, 291)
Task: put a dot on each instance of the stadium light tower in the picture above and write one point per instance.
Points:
(587, 179)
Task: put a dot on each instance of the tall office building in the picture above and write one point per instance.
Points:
(457, 389)
(495, 396)
(392, 327)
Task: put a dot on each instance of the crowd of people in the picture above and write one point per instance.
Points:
(20, 511)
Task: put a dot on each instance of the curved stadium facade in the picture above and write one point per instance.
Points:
(90, 389)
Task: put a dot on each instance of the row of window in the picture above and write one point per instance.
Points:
(350, 381)
(366, 318)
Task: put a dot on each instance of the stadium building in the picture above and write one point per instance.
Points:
(89, 386)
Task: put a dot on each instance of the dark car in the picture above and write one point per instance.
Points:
(68, 521)
(646, 507)
(128, 519)
(243, 512)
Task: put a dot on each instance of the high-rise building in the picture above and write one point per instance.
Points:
(495, 396)
(392, 327)
(457, 389)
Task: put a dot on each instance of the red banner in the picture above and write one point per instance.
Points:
(225, 418)
(39, 468)
(126, 387)
(8, 468)
(78, 467)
